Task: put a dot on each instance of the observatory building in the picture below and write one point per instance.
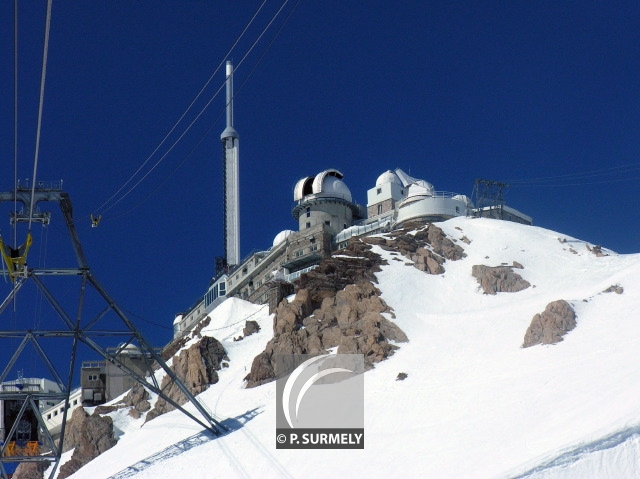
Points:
(327, 218)
(324, 199)
(323, 207)
(412, 199)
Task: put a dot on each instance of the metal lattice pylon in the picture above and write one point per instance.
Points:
(488, 196)
(77, 329)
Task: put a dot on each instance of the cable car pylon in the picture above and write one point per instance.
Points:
(75, 329)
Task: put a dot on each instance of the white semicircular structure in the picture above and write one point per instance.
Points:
(286, 393)
(313, 379)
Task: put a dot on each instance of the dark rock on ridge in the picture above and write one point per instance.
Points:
(549, 327)
(499, 279)
(196, 367)
(93, 435)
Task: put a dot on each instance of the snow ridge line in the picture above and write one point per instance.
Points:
(570, 456)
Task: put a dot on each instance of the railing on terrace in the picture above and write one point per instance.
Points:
(40, 185)
(293, 276)
(22, 384)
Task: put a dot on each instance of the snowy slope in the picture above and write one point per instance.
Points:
(474, 405)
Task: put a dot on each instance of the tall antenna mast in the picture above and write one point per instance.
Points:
(231, 144)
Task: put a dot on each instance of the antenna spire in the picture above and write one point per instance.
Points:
(231, 144)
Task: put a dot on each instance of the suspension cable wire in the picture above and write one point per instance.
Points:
(268, 46)
(600, 176)
(99, 210)
(206, 134)
(39, 129)
(15, 120)
(42, 263)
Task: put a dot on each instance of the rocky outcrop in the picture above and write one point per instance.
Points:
(250, 327)
(597, 250)
(614, 288)
(174, 346)
(336, 305)
(427, 248)
(138, 400)
(30, 470)
(73, 429)
(196, 368)
(550, 326)
(499, 279)
(95, 436)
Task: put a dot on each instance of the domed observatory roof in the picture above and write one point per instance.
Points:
(280, 237)
(388, 177)
(324, 199)
(327, 183)
(419, 188)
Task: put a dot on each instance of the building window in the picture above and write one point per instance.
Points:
(299, 253)
(327, 222)
(308, 224)
(379, 191)
(379, 209)
(402, 192)
(308, 214)
(457, 209)
(314, 248)
(93, 377)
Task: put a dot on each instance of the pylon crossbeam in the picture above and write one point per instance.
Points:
(79, 333)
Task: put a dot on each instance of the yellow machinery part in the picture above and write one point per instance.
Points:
(15, 264)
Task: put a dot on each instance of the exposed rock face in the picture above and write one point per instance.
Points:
(428, 248)
(499, 279)
(597, 250)
(174, 346)
(73, 429)
(96, 436)
(250, 327)
(30, 470)
(336, 305)
(557, 319)
(196, 367)
(614, 288)
(138, 399)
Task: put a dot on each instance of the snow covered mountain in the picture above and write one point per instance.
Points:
(474, 404)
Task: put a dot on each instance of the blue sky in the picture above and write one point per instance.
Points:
(543, 95)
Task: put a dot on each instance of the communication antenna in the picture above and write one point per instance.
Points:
(231, 205)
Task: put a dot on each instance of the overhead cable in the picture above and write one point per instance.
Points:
(42, 83)
(100, 209)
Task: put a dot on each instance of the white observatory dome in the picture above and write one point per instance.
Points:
(327, 183)
(388, 177)
(280, 237)
(333, 186)
(420, 188)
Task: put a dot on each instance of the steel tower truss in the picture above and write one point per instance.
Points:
(77, 328)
